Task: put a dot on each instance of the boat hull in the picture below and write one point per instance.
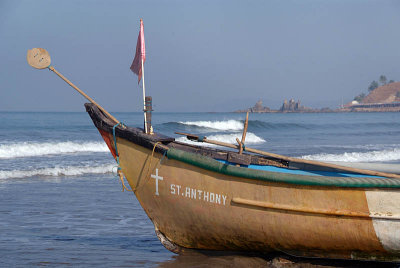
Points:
(200, 209)
(193, 206)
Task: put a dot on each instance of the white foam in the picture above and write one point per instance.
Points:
(228, 125)
(251, 138)
(372, 156)
(29, 149)
(57, 171)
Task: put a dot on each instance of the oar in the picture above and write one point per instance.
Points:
(39, 58)
(290, 159)
(241, 143)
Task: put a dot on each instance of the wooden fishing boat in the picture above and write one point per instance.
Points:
(250, 200)
(199, 198)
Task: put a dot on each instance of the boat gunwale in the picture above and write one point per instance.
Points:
(137, 136)
(277, 177)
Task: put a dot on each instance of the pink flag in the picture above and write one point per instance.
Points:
(140, 55)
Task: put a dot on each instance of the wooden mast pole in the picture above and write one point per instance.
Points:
(144, 100)
(143, 86)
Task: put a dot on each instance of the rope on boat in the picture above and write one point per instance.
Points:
(119, 172)
(115, 143)
(147, 177)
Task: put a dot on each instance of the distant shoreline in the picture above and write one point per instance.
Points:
(295, 107)
(343, 110)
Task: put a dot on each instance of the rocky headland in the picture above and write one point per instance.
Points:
(290, 106)
(385, 98)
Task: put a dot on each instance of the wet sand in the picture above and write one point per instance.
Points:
(234, 259)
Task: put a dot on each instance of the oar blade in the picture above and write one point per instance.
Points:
(38, 58)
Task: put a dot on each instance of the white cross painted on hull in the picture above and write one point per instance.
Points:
(157, 178)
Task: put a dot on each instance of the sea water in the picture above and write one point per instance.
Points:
(61, 204)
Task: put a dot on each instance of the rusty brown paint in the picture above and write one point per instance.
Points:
(300, 209)
(195, 223)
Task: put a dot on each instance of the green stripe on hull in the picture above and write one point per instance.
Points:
(213, 165)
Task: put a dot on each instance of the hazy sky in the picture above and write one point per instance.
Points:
(201, 55)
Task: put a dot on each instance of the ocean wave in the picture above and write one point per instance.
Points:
(251, 138)
(228, 125)
(29, 149)
(57, 171)
(372, 156)
(257, 124)
(235, 125)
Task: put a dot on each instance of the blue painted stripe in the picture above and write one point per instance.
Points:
(303, 172)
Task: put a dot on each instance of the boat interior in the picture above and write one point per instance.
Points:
(231, 157)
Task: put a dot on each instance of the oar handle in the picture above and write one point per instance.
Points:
(51, 68)
(246, 124)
